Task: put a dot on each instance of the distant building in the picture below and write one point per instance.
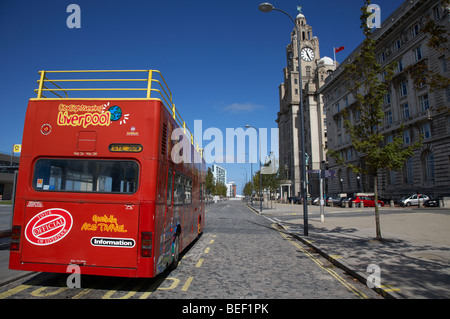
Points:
(220, 174)
(231, 189)
(421, 110)
(7, 175)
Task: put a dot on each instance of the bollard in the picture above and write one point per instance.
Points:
(353, 204)
(346, 204)
(420, 203)
(391, 203)
(361, 204)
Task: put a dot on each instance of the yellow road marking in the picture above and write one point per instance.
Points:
(199, 263)
(13, 291)
(320, 264)
(207, 250)
(187, 284)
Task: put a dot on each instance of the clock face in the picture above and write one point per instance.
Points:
(307, 54)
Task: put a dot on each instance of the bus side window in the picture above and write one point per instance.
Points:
(178, 194)
(169, 187)
(188, 191)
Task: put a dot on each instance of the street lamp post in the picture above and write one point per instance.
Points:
(267, 7)
(260, 179)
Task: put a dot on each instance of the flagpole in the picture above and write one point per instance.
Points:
(334, 52)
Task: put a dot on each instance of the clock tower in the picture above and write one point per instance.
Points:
(314, 71)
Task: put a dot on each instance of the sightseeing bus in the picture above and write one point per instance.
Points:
(98, 185)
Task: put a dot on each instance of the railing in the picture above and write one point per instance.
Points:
(155, 84)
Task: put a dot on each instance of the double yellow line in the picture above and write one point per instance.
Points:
(350, 287)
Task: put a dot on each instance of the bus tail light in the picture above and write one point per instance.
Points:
(146, 244)
(15, 238)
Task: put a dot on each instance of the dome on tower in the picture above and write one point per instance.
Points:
(300, 16)
(326, 61)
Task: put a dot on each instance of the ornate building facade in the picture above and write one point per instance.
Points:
(422, 110)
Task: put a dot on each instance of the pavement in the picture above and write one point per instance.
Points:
(411, 262)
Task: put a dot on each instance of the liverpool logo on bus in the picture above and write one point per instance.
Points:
(48, 227)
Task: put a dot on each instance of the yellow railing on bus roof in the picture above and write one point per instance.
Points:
(152, 77)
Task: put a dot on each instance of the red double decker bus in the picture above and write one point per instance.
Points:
(97, 184)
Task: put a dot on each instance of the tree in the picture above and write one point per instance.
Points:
(248, 189)
(363, 81)
(209, 182)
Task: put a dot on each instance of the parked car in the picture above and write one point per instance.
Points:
(294, 199)
(432, 202)
(413, 200)
(368, 201)
(333, 200)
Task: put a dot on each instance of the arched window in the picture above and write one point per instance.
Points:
(428, 166)
(408, 171)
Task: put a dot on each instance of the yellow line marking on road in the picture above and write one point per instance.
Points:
(187, 284)
(211, 241)
(20, 288)
(13, 291)
(199, 263)
(207, 250)
(389, 288)
(320, 264)
(336, 256)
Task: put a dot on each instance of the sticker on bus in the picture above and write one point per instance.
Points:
(48, 227)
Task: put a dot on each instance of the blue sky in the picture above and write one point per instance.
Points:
(223, 60)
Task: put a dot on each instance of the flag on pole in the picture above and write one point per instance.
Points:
(336, 50)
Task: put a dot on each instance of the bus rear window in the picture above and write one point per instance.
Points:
(96, 176)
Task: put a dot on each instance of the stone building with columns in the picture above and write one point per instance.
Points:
(421, 109)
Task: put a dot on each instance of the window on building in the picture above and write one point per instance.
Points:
(397, 44)
(428, 166)
(388, 118)
(387, 99)
(389, 139)
(418, 54)
(408, 171)
(425, 130)
(443, 63)
(405, 111)
(437, 12)
(406, 137)
(424, 102)
(403, 88)
(400, 65)
(415, 30)
(337, 107)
